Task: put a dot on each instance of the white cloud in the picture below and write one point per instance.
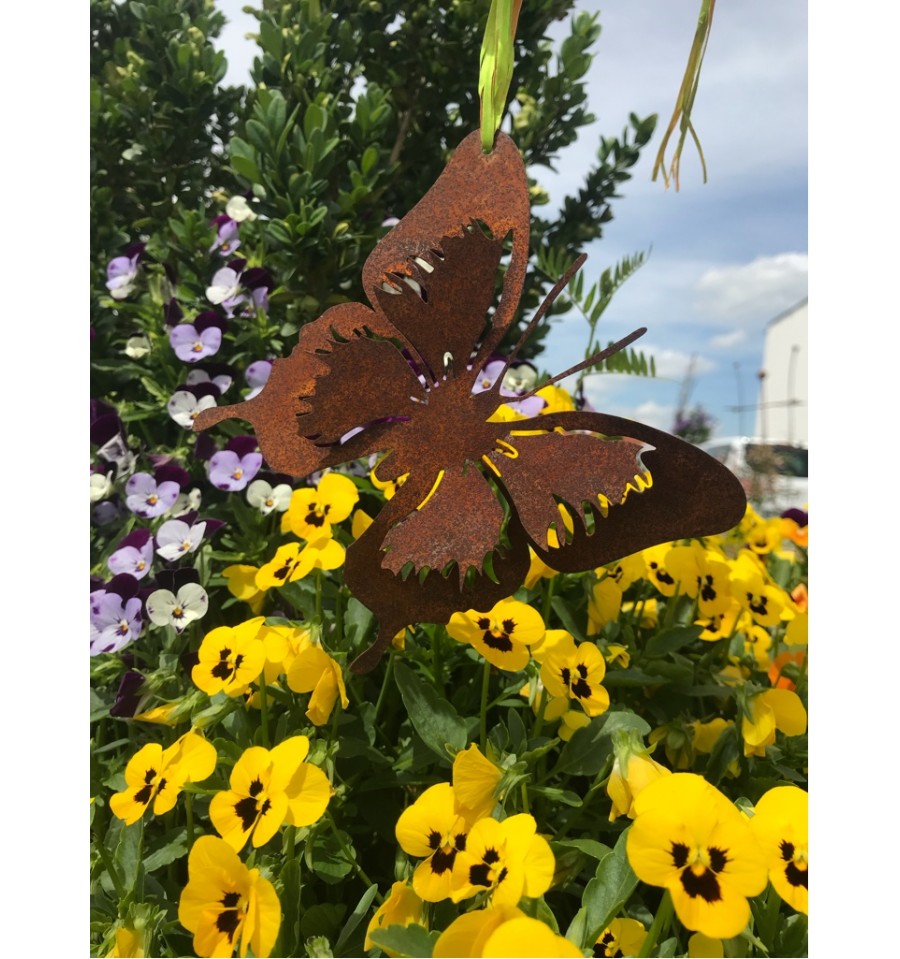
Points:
(674, 364)
(753, 293)
(727, 341)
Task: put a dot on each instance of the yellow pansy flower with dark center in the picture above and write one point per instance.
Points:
(654, 560)
(781, 825)
(312, 512)
(158, 775)
(502, 635)
(434, 828)
(230, 658)
(576, 672)
(225, 904)
(268, 788)
(622, 937)
(506, 859)
(703, 575)
(688, 838)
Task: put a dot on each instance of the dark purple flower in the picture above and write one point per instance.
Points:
(128, 695)
(173, 313)
(799, 516)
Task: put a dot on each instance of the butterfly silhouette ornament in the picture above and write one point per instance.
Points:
(396, 377)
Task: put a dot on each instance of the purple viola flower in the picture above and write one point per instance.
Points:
(257, 376)
(175, 538)
(517, 380)
(216, 374)
(115, 621)
(147, 498)
(191, 344)
(121, 272)
(258, 281)
(230, 471)
(133, 555)
(227, 240)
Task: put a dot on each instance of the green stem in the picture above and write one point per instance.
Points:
(660, 926)
(539, 719)
(189, 817)
(111, 870)
(348, 855)
(437, 663)
(264, 709)
(319, 596)
(485, 684)
(549, 586)
(388, 673)
(525, 806)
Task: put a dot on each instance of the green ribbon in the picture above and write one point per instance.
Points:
(496, 66)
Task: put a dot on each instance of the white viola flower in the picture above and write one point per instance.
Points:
(239, 209)
(101, 486)
(221, 382)
(137, 346)
(184, 407)
(257, 376)
(185, 503)
(116, 451)
(266, 498)
(225, 285)
(175, 538)
(167, 609)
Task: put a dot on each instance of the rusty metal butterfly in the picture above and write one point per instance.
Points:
(397, 378)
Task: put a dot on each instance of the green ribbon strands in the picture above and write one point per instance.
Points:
(684, 104)
(495, 72)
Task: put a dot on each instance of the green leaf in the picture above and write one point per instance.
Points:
(561, 608)
(590, 847)
(607, 892)
(355, 917)
(358, 621)
(671, 640)
(170, 852)
(432, 717)
(590, 747)
(406, 940)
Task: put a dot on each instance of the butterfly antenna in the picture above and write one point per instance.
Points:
(594, 360)
(558, 287)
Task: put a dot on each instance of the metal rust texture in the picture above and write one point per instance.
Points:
(396, 378)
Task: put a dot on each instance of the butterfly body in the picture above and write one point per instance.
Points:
(397, 377)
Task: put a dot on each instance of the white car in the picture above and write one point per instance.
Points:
(774, 474)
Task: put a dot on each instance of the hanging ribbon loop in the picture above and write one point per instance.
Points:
(496, 66)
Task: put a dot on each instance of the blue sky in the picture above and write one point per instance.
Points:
(727, 256)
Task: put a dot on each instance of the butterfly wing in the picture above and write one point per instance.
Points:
(431, 284)
(624, 485)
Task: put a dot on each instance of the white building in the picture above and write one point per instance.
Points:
(783, 392)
